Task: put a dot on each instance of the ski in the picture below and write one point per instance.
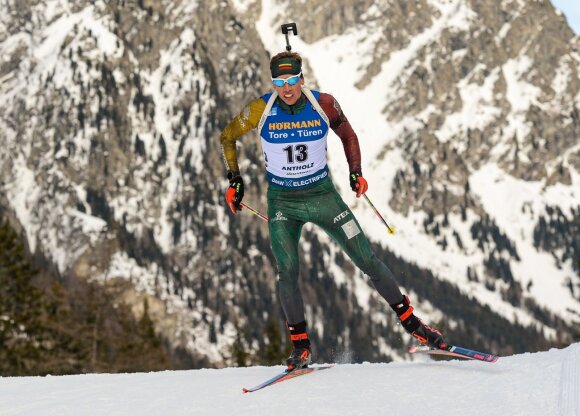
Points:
(285, 376)
(455, 351)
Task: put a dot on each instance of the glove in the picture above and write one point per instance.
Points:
(358, 184)
(235, 192)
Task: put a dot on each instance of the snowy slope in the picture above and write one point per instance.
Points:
(546, 383)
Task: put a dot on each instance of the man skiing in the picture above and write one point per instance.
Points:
(293, 123)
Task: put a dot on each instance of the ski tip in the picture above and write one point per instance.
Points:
(245, 390)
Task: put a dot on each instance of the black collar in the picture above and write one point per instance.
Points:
(296, 108)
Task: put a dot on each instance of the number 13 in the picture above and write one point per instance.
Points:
(298, 153)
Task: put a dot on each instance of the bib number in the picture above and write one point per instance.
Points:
(296, 153)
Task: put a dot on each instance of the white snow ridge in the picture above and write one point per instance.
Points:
(545, 383)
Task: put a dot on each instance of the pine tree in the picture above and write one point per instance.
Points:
(239, 354)
(273, 351)
(71, 326)
(20, 304)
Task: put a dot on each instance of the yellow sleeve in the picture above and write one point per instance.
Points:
(247, 120)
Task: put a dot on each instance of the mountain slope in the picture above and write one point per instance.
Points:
(110, 114)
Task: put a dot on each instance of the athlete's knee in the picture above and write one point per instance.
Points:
(287, 267)
(288, 271)
(370, 265)
(287, 287)
(376, 270)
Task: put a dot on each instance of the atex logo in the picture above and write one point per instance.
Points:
(340, 216)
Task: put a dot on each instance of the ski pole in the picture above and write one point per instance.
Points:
(391, 229)
(255, 212)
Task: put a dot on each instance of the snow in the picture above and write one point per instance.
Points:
(23, 191)
(478, 108)
(54, 36)
(516, 206)
(520, 94)
(545, 383)
(242, 6)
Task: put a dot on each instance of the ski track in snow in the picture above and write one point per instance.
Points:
(543, 383)
(570, 384)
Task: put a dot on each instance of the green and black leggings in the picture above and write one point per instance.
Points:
(321, 205)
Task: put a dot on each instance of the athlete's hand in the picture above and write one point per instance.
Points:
(235, 192)
(358, 184)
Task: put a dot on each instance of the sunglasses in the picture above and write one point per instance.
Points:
(293, 80)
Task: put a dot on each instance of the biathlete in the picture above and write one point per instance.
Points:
(293, 123)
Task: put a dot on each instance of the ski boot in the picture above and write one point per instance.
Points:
(301, 355)
(416, 327)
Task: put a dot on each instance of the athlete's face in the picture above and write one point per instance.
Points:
(289, 93)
